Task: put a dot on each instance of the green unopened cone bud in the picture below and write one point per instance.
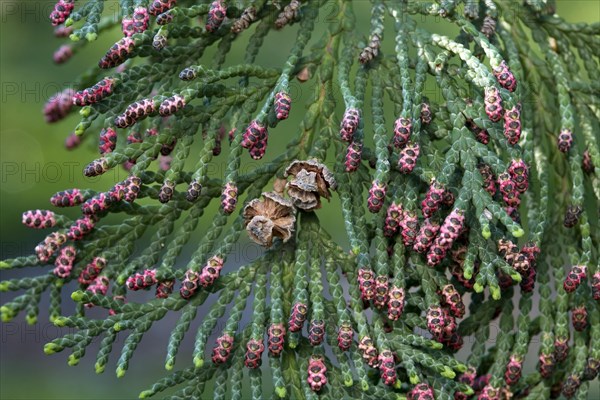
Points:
(120, 372)
(99, 368)
(518, 232)
(50, 348)
(495, 291)
(478, 287)
(31, 319)
(281, 392)
(486, 232)
(85, 111)
(448, 373)
(72, 360)
(145, 394)
(364, 385)
(91, 36)
(516, 276)
(198, 362)
(77, 296)
(74, 37)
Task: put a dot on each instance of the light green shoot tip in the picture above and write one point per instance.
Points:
(4, 265)
(31, 319)
(4, 286)
(448, 373)
(436, 345)
(145, 394)
(468, 274)
(469, 391)
(60, 321)
(99, 368)
(120, 372)
(292, 345)
(79, 129)
(414, 379)
(74, 37)
(461, 368)
(169, 365)
(281, 392)
(198, 362)
(85, 111)
(495, 290)
(91, 36)
(516, 277)
(7, 317)
(397, 384)
(364, 385)
(486, 233)
(73, 361)
(6, 314)
(69, 22)
(478, 287)
(355, 251)
(50, 348)
(117, 327)
(518, 232)
(77, 295)
(349, 382)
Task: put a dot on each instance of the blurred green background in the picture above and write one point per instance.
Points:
(34, 164)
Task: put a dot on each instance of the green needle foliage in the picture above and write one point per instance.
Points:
(483, 194)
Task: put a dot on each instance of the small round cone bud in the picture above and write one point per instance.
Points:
(316, 373)
(276, 336)
(565, 140)
(376, 196)
(345, 336)
(505, 77)
(349, 124)
(62, 10)
(283, 104)
(422, 391)
(316, 332)
(39, 219)
(353, 156)
(160, 6)
(254, 350)
(297, 317)
(408, 157)
(117, 54)
(216, 15)
(396, 300)
(222, 349)
(402, 132)
(189, 286)
(493, 104)
(369, 351)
